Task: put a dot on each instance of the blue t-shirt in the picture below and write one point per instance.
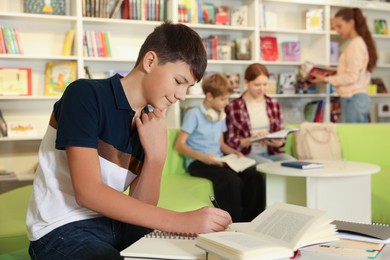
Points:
(204, 135)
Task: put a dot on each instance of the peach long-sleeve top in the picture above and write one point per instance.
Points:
(352, 76)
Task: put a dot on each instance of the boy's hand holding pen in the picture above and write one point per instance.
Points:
(214, 201)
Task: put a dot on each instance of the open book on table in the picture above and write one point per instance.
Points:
(275, 135)
(237, 164)
(276, 233)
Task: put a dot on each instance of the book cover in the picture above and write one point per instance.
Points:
(272, 84)
(274, 234)
(239, 16)
(237, 164)
(56, 7)
(222, 15)
(313, 69)
(208, 13)
(381, 26)
(58, 76)
(235, 80)
(269, 48)
(276, 135)
(287, 82)
(22, 129)
(68, 43)
(314, 19)
(242, 49)
(15, 81)
(334, 52)
(302, 165)
(291, 51)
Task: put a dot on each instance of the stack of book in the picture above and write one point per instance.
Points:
(356, 239)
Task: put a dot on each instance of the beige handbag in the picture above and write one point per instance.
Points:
(317, 141)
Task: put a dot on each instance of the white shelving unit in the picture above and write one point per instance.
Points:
(42, 38)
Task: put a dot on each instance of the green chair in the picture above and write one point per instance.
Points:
(13, 234)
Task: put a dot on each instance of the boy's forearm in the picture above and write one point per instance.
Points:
(147, 188)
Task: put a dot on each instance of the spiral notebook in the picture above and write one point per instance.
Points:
(164, 245)
(376, 233)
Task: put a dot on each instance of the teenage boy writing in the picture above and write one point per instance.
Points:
(100, 141)
(201, 141)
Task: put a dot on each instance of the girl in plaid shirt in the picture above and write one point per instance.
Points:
(254, 114)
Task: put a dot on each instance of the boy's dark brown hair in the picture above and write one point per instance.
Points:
(176, 42)
(217, 85)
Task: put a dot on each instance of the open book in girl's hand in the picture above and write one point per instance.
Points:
(275, 135)
(276, 233)
(237, 164)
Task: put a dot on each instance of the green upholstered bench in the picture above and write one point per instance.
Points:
(13, 236)
(366, 143)
(179, 190)
(370, 143)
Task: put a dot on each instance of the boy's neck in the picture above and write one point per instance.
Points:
(132, 86)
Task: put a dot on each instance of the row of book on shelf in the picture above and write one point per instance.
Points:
(221, 47)
(146, 10)
(97, 44)
(282, 231)
(290, 50)
(10, 41)
(207, 12)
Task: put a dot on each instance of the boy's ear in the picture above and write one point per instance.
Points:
(149, 60)
(209, 96)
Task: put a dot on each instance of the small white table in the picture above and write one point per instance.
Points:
(342, 188)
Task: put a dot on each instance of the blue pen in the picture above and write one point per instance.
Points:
(214, 201)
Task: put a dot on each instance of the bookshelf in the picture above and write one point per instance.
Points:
(42, 37)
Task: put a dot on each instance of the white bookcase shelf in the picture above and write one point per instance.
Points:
(42, 38)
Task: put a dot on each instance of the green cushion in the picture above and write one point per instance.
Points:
(13, 208)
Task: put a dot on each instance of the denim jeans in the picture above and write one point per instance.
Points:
(97, 238)
(355, 109)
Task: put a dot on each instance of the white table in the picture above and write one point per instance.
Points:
(342, 188)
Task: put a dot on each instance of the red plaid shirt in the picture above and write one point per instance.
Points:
(239, 125)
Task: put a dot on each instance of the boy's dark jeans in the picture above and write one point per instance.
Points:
(97, 238)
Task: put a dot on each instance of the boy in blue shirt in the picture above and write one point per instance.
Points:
(201, 141)
(102, 140)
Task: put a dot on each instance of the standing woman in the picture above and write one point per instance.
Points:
(254, 114)
(355, 66)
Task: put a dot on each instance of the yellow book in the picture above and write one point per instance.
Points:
(68, 43)
(58, 76)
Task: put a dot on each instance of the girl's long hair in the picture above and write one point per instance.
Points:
(361, 28)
